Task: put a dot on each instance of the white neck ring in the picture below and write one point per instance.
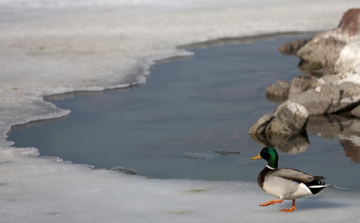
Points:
(270, 167)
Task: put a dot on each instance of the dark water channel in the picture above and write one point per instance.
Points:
(188, 113)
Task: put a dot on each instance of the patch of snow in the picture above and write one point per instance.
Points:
(38, 190)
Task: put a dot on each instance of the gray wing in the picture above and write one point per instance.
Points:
(295, 175)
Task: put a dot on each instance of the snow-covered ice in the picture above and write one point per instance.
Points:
(37, 190)
(51, 47)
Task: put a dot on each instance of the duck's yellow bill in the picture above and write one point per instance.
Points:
(256, 157)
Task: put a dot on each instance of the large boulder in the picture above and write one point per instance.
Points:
(336, 50)
(284, 129)
(289, 119)
(323, 51)
(350, 22)
(331, 97)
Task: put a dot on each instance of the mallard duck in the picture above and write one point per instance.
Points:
(285, 183)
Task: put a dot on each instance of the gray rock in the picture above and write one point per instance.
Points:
(331, 97)
(301, 84)
(259, 127)
(291, 48)
(331, 79)
(322, 52)
(336, 50)
(356, 111)
(278, 91)
(307, 70)
(285, 129)
(289, 119)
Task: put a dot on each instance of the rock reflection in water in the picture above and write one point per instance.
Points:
(351, 146)
(286, 143)
(345, 128)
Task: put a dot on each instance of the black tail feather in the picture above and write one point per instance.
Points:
(319, 178)
(316, 185)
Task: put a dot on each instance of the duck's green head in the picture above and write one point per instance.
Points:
(270, 155)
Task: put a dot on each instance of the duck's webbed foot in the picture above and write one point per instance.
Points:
(271, 202)
(293, 208)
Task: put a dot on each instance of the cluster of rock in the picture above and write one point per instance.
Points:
(330, 85)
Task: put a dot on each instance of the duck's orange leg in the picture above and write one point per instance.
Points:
(291, 209)
(271, 202)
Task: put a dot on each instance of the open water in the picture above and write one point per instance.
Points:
(190, 111)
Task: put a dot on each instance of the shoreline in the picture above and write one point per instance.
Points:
(195, 45)
(179, 145)
(152, 147)
(69, 62)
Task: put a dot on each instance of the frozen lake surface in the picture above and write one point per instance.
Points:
(189, 110)
(54, 47)
(38, 190)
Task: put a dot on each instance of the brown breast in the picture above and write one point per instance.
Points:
(261, 176)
